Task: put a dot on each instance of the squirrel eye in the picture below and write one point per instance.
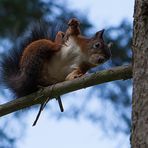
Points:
(96, 45)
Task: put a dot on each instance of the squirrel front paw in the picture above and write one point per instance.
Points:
(73, 22)
(60, 34)
(73, 75)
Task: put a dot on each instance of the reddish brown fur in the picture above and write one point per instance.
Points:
(39, 64)
(86, 47)
(36, 47)
(73, 29)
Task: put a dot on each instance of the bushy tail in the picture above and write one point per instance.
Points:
(11, 77)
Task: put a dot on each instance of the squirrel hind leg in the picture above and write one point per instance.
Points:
(73, 29)
(74, 22)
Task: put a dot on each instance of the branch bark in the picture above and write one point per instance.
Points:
(117, 73)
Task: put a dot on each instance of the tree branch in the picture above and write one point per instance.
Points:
(117, 73)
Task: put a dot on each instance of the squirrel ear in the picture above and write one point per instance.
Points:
(99, 34)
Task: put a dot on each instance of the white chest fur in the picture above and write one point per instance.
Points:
(65, 61)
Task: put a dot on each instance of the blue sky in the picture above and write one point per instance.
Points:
(80, 133)
(68, 133)
(105, 13)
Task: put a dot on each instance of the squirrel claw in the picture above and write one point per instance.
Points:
(60, 103)
(61, 34)
(73, 76)
(73, 22)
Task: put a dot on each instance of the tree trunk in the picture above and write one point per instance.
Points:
(139, 135)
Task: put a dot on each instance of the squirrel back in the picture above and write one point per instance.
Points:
(22, 81)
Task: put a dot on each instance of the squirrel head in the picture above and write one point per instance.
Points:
(95, 49)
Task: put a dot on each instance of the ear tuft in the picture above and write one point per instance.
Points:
(99, 34)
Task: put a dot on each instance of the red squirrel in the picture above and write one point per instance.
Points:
(43, 62)
(39, 61)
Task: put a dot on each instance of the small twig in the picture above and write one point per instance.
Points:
(38, 115)
(40, 110)
(42, 106)
(60, 103)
